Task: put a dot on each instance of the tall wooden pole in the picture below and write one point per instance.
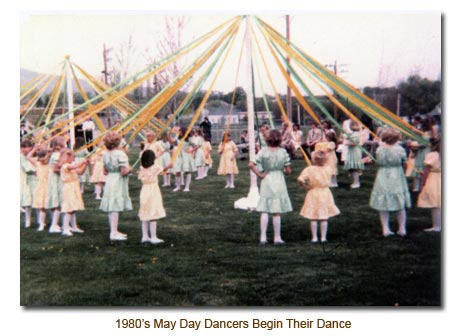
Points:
(70, 102)
(249, 202)
(289, 104)
(105, 74)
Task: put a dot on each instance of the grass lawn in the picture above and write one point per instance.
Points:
(211, 255)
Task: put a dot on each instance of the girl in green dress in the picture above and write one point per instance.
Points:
(270, 164)
(390, 191)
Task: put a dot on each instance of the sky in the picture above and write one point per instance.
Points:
(370, 48)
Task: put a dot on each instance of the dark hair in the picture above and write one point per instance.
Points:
(226, 135)
(331, 136)
(26, 144)
(435, 144)
(274, 138)
(79, 141)
(147, 158)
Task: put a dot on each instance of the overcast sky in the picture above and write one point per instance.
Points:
(371, 49)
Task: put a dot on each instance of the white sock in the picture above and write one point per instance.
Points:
(401, 217)
(333, 180)
(82, 188)
(228, 180)
(199, 172)
(27, 217)
(355, 178)
(114, 222)
(323, 231)
(314, 230)
(56, 218)
(277, 223)
(437, 219)
(177, 182)
(145, 230)
(263, 226)
(187, 181)
(42, 214)
(206, 170)
(232, 181)
(66, 223)
(182, 178)
(384, 217)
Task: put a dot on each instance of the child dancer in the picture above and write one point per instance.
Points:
(227, 163)
(353, 162)
(165, 159)
(319, 202)
(26, 172)
(80, 155)
(150, 200)
(208, 162)
(41, 192)
(328, 147)
(72, 200)
(98, 177)
(199, 159)
(184, 163)
(115, 195)
(390, 191)
(270, 164)
(431, 193)
(54, 195)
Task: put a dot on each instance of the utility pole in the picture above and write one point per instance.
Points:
(334, 67)
(105, 79)
(289, 104)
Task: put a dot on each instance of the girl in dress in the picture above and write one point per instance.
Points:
(72, 200)
(319, 203)
(328, 146)
(115, 195)
(227, 162)
(199, 159)
(354, 163)
(27, 170)
(431, 193)
(184, 163)
(390, 191)
(81, 156)
(208, 161)
(98, 177)
(150, 200)
(165, 159)
(54, 191)
(41, 164)
(270, 164)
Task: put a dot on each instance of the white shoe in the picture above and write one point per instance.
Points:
(227, 186)
(185, 190)
(314, 240)
(279, 241)
(333, 186)
(98, 198)
(156, 240)
(263, 242)
(117, 237)
(432, 229)
(176, 189)
(388, 233)
(67, 233)
(355, 186)
(77, 230)
(232, 187)
(41, 227)
(401, 233)
(198, 178)
(323, 240)
(145, 240)
(55, 229)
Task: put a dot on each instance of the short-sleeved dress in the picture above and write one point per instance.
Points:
(206, 148)
(390, 191)
(72, 199)
(274, 196)
(54, 190)
(227, 163)
(165, 158)
(199, 154)
(115, 197)
(319, 202)
(97, 174)
(184, 163)
(27, 170)
(354, 155)
(431, 194)
(41, 191)
(150, 200)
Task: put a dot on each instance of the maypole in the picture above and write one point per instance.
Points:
(70, 103)
(249, 202)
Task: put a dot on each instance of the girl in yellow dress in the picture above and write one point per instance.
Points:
(150, 200)
(97, 176)
(227, 163)
(319, 202)
(41, 164)
(72, 200)
(431, 193)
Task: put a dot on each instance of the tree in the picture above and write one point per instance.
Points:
(419, 95)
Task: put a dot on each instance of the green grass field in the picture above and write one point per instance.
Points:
(211, 255)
